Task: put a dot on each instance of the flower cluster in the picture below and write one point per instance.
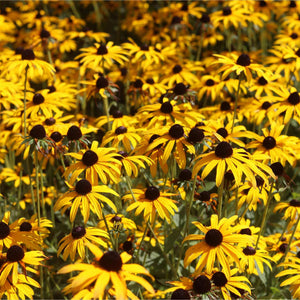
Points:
(149, 149)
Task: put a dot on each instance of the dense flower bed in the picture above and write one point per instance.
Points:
(149, 149)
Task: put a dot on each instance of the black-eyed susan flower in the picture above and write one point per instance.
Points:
(277, 146)
(145, 55)
(16, 256)
(292, 270)
(184, 283)
(132, 163)
(254, 260)
(122, 138)
(9, 233)
(218, 242)
(28, 60)
(152, 201)
(87, 197)
(241, 64)
(175, 138)
(225, 158)
(291, 209)
(287, 101)
(230, 284)
(97, 162)
(79, 239)
(167, 113)
(117, 222)
(109, 268)
(102, 55)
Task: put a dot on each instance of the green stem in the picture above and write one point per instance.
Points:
(37, 186)
(200, 45)
(140, 246)
(162, 251)
(24, 101)
(97, 12)
(236, 103)
(106, 110)
(220, 199)
(270, 196)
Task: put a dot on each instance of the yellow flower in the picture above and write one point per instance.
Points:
(81, 238)
(109, 268)
(151, 200)
(86, 197)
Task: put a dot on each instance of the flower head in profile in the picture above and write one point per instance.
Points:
(108, 269)
(29, 61)
(241, 64)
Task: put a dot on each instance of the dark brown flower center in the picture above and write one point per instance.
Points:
(28, 54)
(269, 142)
(223, 150)
(116, 219)
(176, 131)
(246, 231)
(89, 158)
(177, 69)
(262, 3)
(259, 181)
(111, 261)
(138, 84)
(150, 80)
(283, 247)
(180, 294)
(277, 168)
(127, 246)
(180, 89)
(213, 237)
(44, 34)
(222, 132)
(51, 89)
(225, 106)
(102, 82)
(25, 226)
(176, 20)
(295, 203)
(4, 230)
(219, 279)
(102, 50)
(50, 121)
(83, 187)
(38, 99)
(166, 107)
(262, 81)
(294, 35)
(196, 135)
(15, 253)
(294, 98)
(144, 47)
(78, 232)
(152, 193)
(121, 130)
(117, 114)
(38, 132)
(249, 251)
(266, 105)
(204, 196)
(243, 60)
(226, 11)
(209, 82)
(56, 136)
(185, 174)
(201, 285)
(74, 133)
